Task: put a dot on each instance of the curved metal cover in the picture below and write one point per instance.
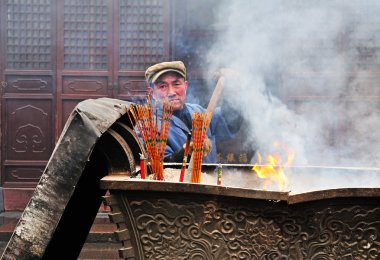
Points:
(55, 201)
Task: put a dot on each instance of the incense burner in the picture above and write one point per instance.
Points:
(324, 213)
(172, 220)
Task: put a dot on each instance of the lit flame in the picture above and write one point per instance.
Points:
(273, 169)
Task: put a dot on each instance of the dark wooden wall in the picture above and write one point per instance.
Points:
(56, 53)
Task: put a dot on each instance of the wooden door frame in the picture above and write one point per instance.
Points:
(23, 191)
(16, 191)
(135, 78)
(2, 85)
(62, 72)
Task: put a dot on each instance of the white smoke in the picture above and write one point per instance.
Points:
(305, 76)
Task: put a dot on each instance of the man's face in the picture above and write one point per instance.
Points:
(172, 87)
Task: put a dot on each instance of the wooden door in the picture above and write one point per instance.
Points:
(28, 42)
(58, 53)
(141, 38)
(85, 53)
(108, 53)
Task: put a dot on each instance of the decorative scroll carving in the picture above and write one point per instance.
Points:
(24, 174)
(350, 232)
(134, 88)
(28, 136)
(180, 228)
(85, 85)
(29, 84)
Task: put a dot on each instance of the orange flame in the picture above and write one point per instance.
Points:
(273, 169)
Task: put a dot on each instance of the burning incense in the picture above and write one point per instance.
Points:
(200, 123)
(219, 175)
(153, 132)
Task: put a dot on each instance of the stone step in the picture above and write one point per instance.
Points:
(100, 250)
(100, 243)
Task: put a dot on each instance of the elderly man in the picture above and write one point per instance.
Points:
(167, 80)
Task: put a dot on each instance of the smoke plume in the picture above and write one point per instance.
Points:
(305, 76)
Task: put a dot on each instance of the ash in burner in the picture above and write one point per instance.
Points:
(240, 177)
(300, 179)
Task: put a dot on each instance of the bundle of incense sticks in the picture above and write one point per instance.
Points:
(153, 132)
(200, 123)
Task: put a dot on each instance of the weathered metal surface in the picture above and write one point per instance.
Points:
(134, 184)
(68, 197)
(183, 224)
(240, 220)
(334, 193)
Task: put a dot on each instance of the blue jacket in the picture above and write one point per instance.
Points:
(217, 131)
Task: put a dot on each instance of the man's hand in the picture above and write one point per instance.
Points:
(207, 147)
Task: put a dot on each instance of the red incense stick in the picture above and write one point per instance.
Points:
(142, 166)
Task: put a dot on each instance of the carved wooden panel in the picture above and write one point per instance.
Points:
(143, 33)
(317, 84)
(364, 84)
(84, 85)
(67, 107)
(85, 34)
(28, 84)
(196, 227)
(364, 45)
(343, 63)
(303, 83)
(29, 34)
(132, 88)
(28, 58)
(366, 109)
(29, 129)
(22, 175)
